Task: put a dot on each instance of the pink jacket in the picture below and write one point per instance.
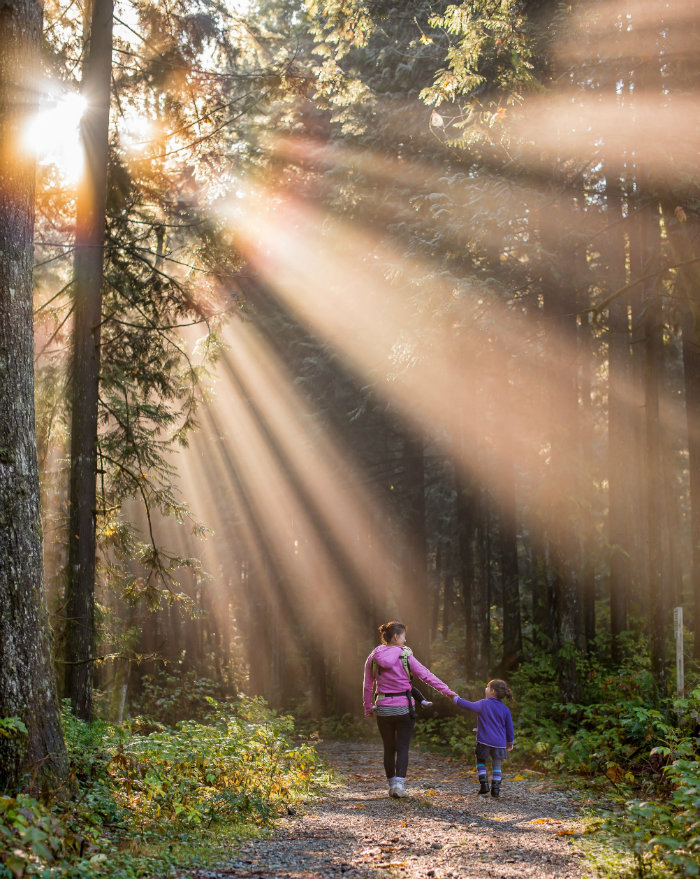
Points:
(391, 677)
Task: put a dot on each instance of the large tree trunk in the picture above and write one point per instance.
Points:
(87, 288)
(27, 688)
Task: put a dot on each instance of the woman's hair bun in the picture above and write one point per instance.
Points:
(388, 630)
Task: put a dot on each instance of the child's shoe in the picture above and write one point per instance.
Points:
(483, 786)
(425, 704)
(495, 788)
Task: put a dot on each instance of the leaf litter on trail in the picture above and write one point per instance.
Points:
(443, 828)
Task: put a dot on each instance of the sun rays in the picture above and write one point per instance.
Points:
(431, 295)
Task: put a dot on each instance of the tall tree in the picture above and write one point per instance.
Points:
(27, 688)
(562, 424)
(87, 291)
(619, 428)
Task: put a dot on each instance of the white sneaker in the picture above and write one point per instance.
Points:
(398, 790)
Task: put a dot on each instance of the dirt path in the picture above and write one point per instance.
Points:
(443, 830)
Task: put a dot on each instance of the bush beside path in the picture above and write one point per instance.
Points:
(442, 830)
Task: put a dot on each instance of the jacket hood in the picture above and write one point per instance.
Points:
(387, 655)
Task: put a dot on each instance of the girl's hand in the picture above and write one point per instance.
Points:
(509, 747)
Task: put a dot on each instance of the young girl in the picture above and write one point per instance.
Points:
(494, 733)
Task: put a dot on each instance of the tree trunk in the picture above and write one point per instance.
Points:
(507, 530)
(27, 687)
(87, 287)
(691, 364)
(682, 238)
(416, 604)
(585, 468)
(656, 519)
(563, 420)
(474, 586)
(620, 430)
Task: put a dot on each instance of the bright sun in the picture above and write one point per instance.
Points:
(53, 134)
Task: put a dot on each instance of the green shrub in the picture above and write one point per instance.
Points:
(144, 789)
(664, 831)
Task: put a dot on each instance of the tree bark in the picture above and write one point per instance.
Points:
(27, 687)
(87, 290)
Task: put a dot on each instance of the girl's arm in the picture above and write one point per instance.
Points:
(510, 733)
(470, 706)
(420, 671)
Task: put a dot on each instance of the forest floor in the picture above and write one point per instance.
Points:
(442, 830)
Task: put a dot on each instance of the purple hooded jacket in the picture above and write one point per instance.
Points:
(392, 678)
(494, 727)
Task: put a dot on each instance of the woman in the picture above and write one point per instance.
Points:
(388, 669)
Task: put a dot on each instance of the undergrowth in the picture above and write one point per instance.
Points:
(145, 795)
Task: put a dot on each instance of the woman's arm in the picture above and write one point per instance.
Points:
(420, 671)
(367, 685)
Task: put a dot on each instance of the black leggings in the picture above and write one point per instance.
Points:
(396, 732)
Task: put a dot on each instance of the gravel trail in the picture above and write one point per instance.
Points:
(442, 830)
